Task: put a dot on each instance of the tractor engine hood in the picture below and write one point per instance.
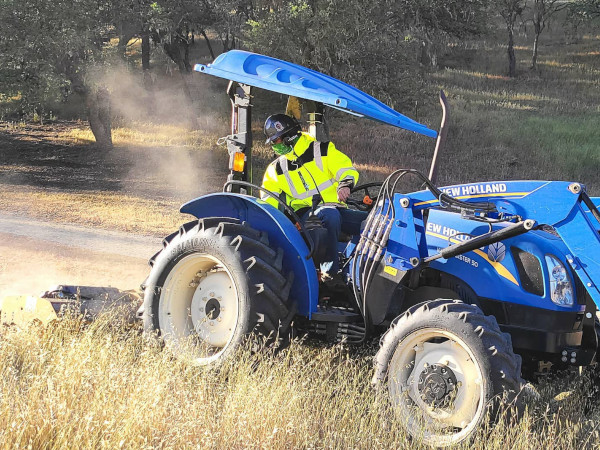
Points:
(291, 79)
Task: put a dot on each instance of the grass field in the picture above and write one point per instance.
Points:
(104, 386)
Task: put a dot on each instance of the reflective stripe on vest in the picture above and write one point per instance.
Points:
(340, 172)
(283, 161)
(317, 154)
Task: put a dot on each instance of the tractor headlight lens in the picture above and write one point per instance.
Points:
(559, 273)
(561, 290)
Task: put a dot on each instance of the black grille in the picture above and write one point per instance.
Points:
(580, 290)
(530, 271)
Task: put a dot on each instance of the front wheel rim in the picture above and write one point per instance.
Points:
(199, 308)
(422, 356)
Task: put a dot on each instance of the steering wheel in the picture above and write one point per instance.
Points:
(367, 202)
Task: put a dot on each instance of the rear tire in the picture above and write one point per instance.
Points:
(216, 282)
(446, 366)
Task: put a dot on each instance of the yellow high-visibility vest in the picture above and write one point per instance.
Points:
(312, 167)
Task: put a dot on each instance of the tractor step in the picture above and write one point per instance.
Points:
(334, 324)
(337, 314)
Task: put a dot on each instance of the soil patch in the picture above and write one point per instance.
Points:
(40, 156)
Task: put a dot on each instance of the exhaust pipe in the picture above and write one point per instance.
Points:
(441, 139)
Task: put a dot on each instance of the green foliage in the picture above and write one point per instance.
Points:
(48, 48)
(377, 46)
(345, 39)
(45, 45)
(450, 18)
(51, 48)
(172, 16)
(585, 10)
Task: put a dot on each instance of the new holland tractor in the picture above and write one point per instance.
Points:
(470, 287)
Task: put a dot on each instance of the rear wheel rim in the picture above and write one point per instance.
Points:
(199, 308)
(457, 410)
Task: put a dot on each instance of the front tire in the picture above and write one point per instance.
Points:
(446, 366)
(216, 282)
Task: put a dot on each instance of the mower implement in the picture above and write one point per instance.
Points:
(470, 288)
(23, 310)
(87, 301)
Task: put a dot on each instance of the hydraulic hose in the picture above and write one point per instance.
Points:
(442, 196)
(375, 235)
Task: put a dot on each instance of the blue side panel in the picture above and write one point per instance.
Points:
(282, 233)
(555, 203)
(491, 270)
(291, 79)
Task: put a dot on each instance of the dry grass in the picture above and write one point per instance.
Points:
(105, 386)
(143, 133)
(95, 209)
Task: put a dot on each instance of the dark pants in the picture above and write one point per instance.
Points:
(336, 220)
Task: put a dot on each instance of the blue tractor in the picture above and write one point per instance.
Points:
(469, 287)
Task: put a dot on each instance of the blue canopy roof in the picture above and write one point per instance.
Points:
(291, 79)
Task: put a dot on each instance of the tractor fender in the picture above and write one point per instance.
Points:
(281, 231)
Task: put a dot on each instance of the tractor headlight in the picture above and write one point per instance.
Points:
(561, 290)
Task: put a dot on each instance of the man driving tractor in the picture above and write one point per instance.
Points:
(308, 174)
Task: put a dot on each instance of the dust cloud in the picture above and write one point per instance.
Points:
(180, 118)
(29, 266)
(168, 131)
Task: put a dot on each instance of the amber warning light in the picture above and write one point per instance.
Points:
(239, 160)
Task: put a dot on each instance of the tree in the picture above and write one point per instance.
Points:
(174, 22)
(542, 11)
(585, 10)
(435, 22)
(510, 11)
(347, 39)
(47, 48)
(132, 19)
(374, 45)
(233, 15)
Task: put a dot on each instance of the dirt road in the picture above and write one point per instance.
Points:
(36, 255)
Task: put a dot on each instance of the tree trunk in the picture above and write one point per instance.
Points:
(535, 51)
(186, 56)
(97, 103)
(145, 50)
(512, 62)
(212, 54)
(191, 107)
(122, 45)
(177, 49)
(147, 76)
(98, 106)
(126, 31)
